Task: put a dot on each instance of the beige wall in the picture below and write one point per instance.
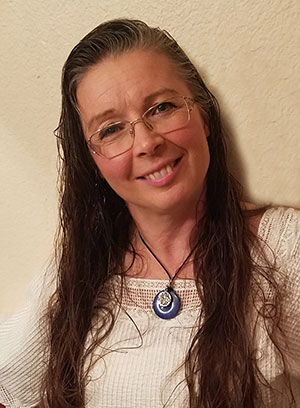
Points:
(247, 50)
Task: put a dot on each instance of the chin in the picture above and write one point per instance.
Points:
(179, 205)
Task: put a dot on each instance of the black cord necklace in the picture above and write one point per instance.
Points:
(166, 303)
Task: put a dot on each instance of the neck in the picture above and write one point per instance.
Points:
(168, 236)
(166, 233)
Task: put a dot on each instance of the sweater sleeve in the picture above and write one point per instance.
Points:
(291, 310)
(285, 238)
(23, 351)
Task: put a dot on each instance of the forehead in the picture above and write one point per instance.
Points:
(127, 81)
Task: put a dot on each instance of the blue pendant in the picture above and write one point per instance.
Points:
(166, 304)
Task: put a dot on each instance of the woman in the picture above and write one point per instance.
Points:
(171, 291)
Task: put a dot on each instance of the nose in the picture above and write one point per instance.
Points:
(146, 140)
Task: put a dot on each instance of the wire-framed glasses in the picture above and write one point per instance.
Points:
(163, 117)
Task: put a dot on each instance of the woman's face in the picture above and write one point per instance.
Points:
(124, 87)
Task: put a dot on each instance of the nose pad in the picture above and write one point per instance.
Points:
(146, 141)
(148, 125)
(140, 120)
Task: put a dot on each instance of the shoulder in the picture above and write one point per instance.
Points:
(279, 228)
(280, 231)
(24, 346)
(278, 217)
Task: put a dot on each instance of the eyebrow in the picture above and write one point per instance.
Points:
(150, 98)
(147, 100)
(100, 116)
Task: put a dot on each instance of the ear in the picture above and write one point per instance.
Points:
(206, 127)
(98, 173)
(205, 122)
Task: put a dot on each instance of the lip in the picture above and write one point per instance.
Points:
(165, 179)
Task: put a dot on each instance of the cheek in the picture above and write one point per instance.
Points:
(192, 138)
(114, 170)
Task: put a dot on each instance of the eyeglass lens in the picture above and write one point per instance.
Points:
(162, 118)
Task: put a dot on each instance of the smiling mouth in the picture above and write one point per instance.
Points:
(162, 172)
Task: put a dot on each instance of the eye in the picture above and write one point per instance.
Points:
(111, 131)
(163, 107)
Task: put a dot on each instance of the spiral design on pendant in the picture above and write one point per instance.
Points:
(166, 304)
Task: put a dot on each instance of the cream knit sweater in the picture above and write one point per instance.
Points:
(143, 369)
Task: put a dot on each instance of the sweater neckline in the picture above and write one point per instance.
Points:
(181, 283)
(140, 292)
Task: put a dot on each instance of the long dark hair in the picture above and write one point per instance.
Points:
(94, 235)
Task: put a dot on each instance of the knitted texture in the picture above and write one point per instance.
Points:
(142, 359)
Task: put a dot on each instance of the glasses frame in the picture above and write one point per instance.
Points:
(189, 103)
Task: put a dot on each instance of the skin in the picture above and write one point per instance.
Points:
(125, 85)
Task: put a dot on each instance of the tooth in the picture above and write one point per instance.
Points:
(159, 174)
(164, 171)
